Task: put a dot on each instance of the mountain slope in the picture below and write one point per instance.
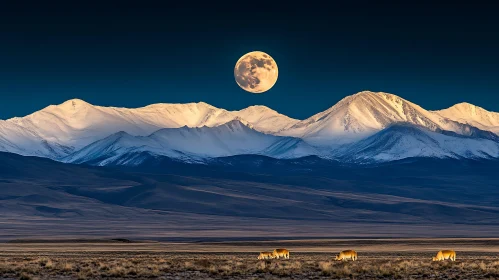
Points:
(76, 123)
(193, 144)
(365, 113)
(408, 141)
(265, 119)
(472, 115)
(18, 140)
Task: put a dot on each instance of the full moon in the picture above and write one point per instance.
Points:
(256, 72)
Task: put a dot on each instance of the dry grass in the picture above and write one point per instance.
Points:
(137, 265)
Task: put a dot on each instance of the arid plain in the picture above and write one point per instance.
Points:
(310, 259)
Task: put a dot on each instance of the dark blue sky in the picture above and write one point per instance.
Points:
(131, 55)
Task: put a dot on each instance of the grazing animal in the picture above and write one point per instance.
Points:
(281, 253)
(266, 255)
(444, 255)
(347, 255)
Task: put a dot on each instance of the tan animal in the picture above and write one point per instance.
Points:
(347, 255)
(445, 255)
(281, 253)
(266, 255)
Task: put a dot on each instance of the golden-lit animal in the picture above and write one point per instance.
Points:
(346, 255)
(281, 253)
(266, 255)
(445, 255)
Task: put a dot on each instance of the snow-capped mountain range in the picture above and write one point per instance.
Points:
(364, 127)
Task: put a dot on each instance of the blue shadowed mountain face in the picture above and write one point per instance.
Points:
(302, 194)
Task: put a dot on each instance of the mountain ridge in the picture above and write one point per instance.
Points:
(76, 123)
(192, 131)
(231, 138)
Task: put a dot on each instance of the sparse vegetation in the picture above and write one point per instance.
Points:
(140, 265)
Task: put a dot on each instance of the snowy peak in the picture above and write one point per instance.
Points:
(259, 112)
(376, 110)
(72, 111)
(365, 113)
(189, 114)
(237, 124)
(73, 105)
(259, 109)
(465, 110)
(358, 116)
(67, 107)
(265, 119)
(473, 115)
(233, 126)
(76, 123)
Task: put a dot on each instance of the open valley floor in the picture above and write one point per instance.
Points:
(309, 259)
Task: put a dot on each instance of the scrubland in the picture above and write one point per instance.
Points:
(178, 265)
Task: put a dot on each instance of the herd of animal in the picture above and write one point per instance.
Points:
(349, 255)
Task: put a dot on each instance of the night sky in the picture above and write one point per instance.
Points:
(132, 55)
